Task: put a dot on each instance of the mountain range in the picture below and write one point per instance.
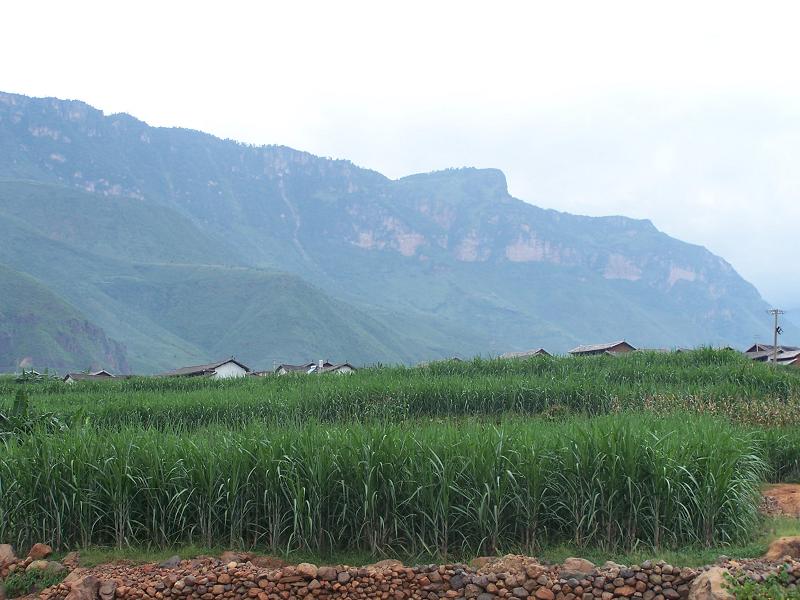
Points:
(142, 249)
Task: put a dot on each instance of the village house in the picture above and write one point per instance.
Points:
(223, 369)
(101, 373)
(619, 347)
(788, 358)
(759, 356)
(439, 360)
(91, 376)
(759, 347)
(526, 353)
(321, 366)
(341, 369)
(765, 352)
(285, 369)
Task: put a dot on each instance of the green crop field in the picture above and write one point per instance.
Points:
(659, 451)
(708, 382)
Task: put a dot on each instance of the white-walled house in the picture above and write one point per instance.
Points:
(223, 369)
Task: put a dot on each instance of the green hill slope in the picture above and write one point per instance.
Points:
(40, 330)
(172, 312)
(76, 276)
(261, 317)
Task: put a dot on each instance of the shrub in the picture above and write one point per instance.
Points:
(773, 587)
(23, 583)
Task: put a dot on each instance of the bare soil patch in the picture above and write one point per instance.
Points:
(782, 499)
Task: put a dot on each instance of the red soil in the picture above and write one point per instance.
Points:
(782, 499)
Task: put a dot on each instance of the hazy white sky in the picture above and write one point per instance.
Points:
(686, 113)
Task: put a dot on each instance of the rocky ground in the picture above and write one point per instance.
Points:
(236, 576)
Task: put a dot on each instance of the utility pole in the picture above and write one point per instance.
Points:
(775, 312)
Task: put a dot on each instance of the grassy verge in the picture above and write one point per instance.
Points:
(691, 556)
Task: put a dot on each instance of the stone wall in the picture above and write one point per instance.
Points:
(512, 577)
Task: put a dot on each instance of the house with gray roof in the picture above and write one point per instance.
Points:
(526, 353)
(285, 369)
(341, 369)
(100, 375)
(223, 369)
(619, 347)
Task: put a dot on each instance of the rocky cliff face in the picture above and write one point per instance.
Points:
(108, 354)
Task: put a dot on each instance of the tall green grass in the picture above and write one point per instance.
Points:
(704, 381)
(433, 488)
(780, 448)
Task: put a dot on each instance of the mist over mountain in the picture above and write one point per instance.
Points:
(180, 247)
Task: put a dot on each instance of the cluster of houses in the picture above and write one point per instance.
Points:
(227, 368)
(782, 355)
(224, 369)
(611, 348)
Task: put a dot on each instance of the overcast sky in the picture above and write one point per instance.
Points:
(685, 113)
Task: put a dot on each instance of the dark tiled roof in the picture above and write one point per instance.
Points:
(87, 377)
(784, 353)
(294, 368)
(101, 373)
(758, 347)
